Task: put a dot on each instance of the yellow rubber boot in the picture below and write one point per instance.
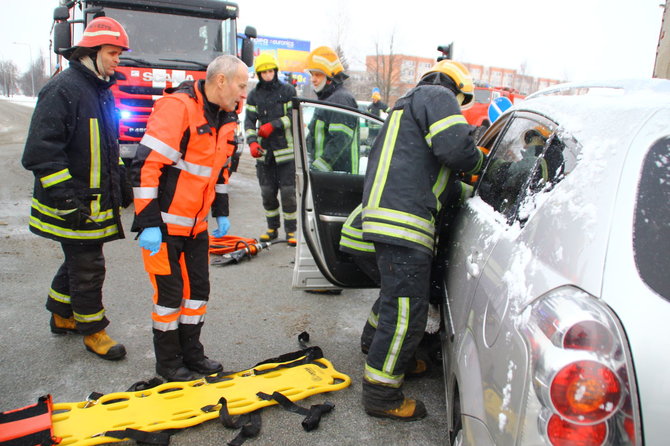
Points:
(271, 234)
(62, 325)
(290, 239)
(102, 345)
(409, 410)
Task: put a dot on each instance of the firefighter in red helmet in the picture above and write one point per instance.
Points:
(72, 150)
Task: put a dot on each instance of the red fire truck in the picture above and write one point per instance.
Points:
(484, 95)
(171, 41)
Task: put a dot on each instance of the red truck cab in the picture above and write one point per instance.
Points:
(477, 114)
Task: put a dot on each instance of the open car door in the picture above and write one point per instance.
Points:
(327, 194)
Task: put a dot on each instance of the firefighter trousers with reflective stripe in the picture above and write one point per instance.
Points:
(274, 178)
(179, 273)
(402, 310)
(76, 289)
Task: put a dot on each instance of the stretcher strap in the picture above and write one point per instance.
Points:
(312, 415)
(157, 438)
(28, 426)
(250, 423)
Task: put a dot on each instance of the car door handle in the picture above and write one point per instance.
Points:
(473, 264)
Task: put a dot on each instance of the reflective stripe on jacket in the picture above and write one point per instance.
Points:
(72, 148)
(271, 102)
(333, 139)
(181, 164)
(409, 175)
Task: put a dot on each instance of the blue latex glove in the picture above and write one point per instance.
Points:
(150, 239)
(224, 225)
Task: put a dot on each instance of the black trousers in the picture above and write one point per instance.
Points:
(179, 273)
(274, 178)
(402, 310)
(76, 289)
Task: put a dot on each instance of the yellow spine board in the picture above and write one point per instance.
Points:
(177, 405)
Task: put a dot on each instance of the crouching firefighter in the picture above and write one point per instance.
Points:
(410, 179)
(179, 172)
(73, 151)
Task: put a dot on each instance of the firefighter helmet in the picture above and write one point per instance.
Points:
(537, 135)
(376, 96)
(104, 31)
(264, 62)
(325, 60)
(461, 77)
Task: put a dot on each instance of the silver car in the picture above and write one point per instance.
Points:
(557, 270)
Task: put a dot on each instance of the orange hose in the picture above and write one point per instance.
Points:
(230, 243)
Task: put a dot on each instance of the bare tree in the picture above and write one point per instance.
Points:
(35, 76)
(384, 68)
(9, 74)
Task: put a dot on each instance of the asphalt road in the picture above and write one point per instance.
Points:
(253, 315)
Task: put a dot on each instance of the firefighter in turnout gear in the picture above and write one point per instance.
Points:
(179, 172)
(333, 139)
(269, 107)
(410, 182)
(73, 151)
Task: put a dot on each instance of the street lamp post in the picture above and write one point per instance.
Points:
(30, 67)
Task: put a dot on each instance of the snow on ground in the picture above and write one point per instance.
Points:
(28, 101)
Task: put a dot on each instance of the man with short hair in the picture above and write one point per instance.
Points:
(180, 171)
(72, 149)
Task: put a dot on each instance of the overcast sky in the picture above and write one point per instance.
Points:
(560, 39)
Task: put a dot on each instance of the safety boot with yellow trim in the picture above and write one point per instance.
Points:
(62, 325)
(269, 235)
(409, 410)
(417, 369)
(102, 345)
(290, 239)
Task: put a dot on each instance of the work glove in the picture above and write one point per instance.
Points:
(256, 150)
(266, 130)
(74, 212)
(151, 239)
(224, 225)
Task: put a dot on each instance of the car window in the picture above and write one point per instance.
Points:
(651, 231)
(526, 158)
(338, 140)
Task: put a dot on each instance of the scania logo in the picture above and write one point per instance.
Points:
(149, 76)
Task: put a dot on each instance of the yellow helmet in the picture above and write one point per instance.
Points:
(264, 62)
(325, 60)
(537, 135)
(376, 96)
(461, 77)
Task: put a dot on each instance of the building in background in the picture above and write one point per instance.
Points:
(291, 55)
(401, 72)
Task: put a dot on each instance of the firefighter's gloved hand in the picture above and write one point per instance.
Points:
(266, 130)
(74, 211)
(256, 150)
(224, 225)
(151, 239)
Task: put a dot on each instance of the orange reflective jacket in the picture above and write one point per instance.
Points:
(181, 164)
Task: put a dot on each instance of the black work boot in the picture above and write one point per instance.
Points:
(169, 362)
(193, 351)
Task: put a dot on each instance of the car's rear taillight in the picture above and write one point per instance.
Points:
(564, 433)
(581, 370)
(585, 392)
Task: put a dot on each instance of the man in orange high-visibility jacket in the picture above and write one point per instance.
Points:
(179, 172)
